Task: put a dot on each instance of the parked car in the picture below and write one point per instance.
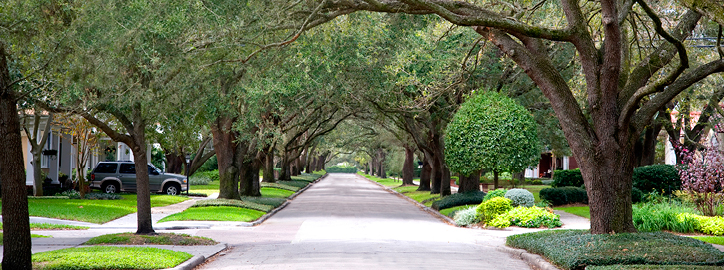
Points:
(117, 176)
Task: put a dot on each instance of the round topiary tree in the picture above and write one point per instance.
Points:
(491, 132)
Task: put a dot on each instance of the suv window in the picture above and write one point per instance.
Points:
(127, 168)
(106, 168)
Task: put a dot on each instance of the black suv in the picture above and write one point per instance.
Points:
(117, 176)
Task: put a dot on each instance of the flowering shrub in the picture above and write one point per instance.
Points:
(701, 177)
(490, 209)
(520, 197)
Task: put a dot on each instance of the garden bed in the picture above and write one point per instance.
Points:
(576, 249)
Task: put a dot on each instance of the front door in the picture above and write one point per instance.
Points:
(127, 173)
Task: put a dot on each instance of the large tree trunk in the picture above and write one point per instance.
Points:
(225, 148)
(37, 175)
(174, 162)
(16, 224)
(436, 175)
(286, 172)
(250, 177)
(381, 156)
(425, 174)
(269, 166)
(143, 195)
(408, 168)
(469, 183)
(495, 180)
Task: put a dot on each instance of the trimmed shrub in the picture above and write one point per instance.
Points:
(341, 169)
(274, 202)
(520, 197)
(653, 267)
(466, 217)
(457, 199)
(199, 179)
(662, 179)
(490, 209)
(576, 249)
(299, 184)
(233, 203)
(495, 193)
(564, 195)
(280, 186)
(102, 196)
(529, 217)
(211, 175)
(636, 195)
(547, 182)
(567, 178)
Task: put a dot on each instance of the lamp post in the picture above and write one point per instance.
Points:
(188, 168)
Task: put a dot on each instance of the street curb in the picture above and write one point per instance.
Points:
(530, 258)
(196, 260)
(275, 210)
(431, 211)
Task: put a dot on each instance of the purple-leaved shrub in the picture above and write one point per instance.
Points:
(702, 176)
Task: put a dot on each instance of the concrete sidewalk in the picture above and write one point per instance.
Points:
(60, 239)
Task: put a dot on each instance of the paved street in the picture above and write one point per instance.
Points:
(347, 222)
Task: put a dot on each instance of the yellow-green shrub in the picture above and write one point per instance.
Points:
(488, 210)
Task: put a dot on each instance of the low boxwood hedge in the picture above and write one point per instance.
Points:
(576, 249)
(280, 186)
(299, 184)
(564, 195)
(653, 267)
(457, 199)
(234, 203)
(341, 169)
(567, 178)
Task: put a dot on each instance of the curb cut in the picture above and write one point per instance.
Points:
(275, 210)
(530, 258)
(429, 210)
(198, 259)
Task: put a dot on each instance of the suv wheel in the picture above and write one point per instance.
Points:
(172, 189)
(110, 188)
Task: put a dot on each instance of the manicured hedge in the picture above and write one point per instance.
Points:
(457, 199)
(654, 267)
(341, 169)
(564, 195)
(567, 178)
(280, 186)
(576, 249)
(663, 179)
(233, 203)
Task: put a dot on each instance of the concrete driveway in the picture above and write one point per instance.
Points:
(346, 222)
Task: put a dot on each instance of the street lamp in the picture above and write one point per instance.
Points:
(188, 168)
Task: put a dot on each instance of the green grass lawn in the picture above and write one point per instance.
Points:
(406, 189)
(275, 192)
(719, 240)
(157, 239)
(388, 182)
(108, 258)
(581, 211)
(48, 226)
(94, 211)
(216, 213)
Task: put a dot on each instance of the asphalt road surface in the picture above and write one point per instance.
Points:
(346, 222)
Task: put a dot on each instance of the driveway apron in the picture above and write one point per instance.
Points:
(346, 222)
